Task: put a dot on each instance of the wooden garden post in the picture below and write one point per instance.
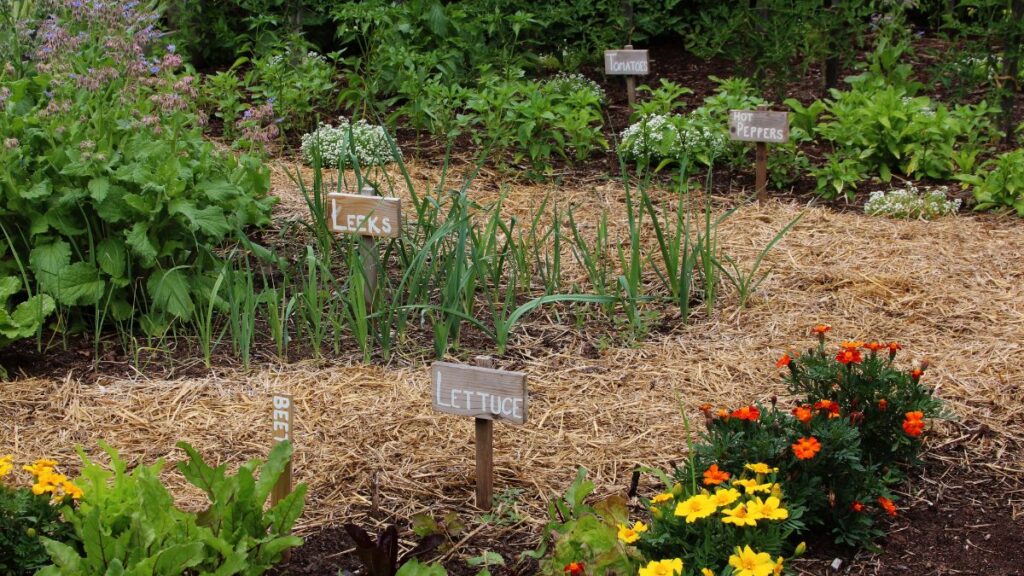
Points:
(484, 452)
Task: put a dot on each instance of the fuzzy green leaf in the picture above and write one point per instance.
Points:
(47, 261)
(80, 284)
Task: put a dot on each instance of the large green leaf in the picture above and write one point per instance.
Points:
(47, 261)
(98, 188)
(29, 316)
(112, 256)
(169, 291)
(9, 286)
(40, 190)
(138, 240)
(80, 284)
(210, 219)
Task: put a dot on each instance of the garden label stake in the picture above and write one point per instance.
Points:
(281, 422)
(485, 394)
(760, 126)
(629, 63)
(371, 217)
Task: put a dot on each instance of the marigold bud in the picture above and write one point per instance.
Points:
(800, 549)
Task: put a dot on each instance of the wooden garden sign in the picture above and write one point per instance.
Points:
(629, 63)
(366, 214)
(760, 126)
(487, 395)
(369, 216)
(282, 423)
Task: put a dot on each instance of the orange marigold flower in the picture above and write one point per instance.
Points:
(893, 348)
(803, 414)
(713, 476)
(916, 374)
(806, 448)
(874, 346)
(820, 329)
(849, 356)
(723, 414)
(751, 413)
(887, 504)
(857, 507)
(913, 423)
(830, 406)
(784, 361)
(705, 408)
(574, 568)
(883, 404)
(851, 344)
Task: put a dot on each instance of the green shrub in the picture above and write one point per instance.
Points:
(1001, 185)
(108, 193)
(297, 81)
(875, 128)
(531, 121)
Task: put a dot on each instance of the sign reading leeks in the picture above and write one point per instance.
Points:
(366, 215)
(479, 392)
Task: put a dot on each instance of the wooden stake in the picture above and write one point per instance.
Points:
(282, 431)
(761, 168)
(484, 452)
(761, 172)
(631, 86)
(368, 251)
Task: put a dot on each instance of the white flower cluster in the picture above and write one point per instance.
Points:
(668, 136)
(911, 202)
(701, 140)
(566, 84)
(653, 137)
(369, 143)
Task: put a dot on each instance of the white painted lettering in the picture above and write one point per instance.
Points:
(440, 402)
(506, 402)
(516, 411)
(278, 425)
(453, 404)
(281, 402)
(385, 225)
(281, 415)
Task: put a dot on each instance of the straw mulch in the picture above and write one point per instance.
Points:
(949, 290)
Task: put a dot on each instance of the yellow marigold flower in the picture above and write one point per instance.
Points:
(777, 569)
(746, 562)
(630, 535)
(663, 497)
(71, 489)
(6, 465)
(706, 572)
(40, 466)
(776, 490)
(726, 496)
(771, 508)
(696, 507)
(760, 468)
(663, 568)
(751, 486)
(740, 516)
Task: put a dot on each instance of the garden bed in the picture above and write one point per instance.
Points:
(373, 451)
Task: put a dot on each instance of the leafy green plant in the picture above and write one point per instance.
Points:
(110, 196)
(880, 128)
(297, 80)
(583, 534)
(1002, 183)
(25, 319)
(128, 523)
